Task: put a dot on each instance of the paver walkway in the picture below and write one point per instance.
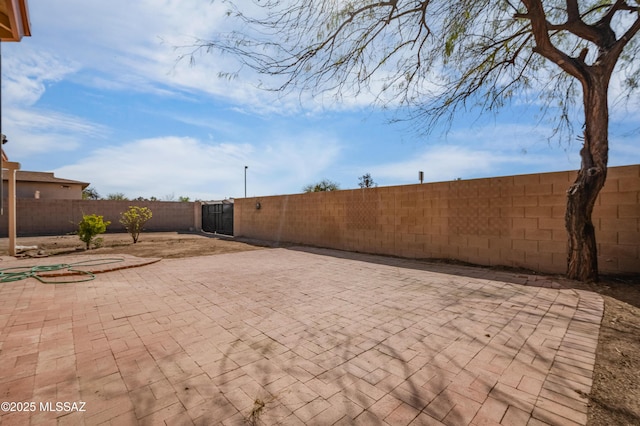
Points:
(308, 336)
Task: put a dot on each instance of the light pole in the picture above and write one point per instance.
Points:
(245, 181)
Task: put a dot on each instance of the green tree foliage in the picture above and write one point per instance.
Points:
(366, 181)
(117, 196)
(438, 57)
(90, 193)
(134, 219)
(323, 185)
(141, 198)
(183, 199)
(90, 226)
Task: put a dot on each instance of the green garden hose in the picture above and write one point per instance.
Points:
(23, 272)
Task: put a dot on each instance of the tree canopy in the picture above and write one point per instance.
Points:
(323, 185)
(435, 56)
(366, 181)
(119, 196)
(438, 57)
(90, 193)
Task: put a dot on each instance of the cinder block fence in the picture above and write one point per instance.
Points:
(511, 221)
(59, 217)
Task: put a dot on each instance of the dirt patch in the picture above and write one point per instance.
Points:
(615, 395)
(165, 245)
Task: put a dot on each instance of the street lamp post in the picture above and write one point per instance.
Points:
(245, 181)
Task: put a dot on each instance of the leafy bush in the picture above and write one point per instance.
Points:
(90, 226)
(134, 219)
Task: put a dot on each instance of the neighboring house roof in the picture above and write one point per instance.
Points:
(14, 20)
(25, 176)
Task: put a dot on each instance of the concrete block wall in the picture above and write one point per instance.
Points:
(59, 217)
(511, 221)
(617, 220)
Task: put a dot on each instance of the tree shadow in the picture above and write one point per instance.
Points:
(442, 356)
(624, 288)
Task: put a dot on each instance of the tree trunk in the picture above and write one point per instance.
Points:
(582, 259)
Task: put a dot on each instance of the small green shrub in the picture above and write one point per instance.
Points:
(90, 226)
(134, 219)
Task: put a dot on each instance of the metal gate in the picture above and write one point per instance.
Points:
(217, 217)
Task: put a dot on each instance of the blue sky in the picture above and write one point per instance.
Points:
(97, 95)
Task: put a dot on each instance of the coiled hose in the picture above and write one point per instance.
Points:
(23, 272)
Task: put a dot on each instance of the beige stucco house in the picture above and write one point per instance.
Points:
(45, 186)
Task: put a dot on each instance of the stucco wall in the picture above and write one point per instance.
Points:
(26, 189)
(512, 221)
(59, 217)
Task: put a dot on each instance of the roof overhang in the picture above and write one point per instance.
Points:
(14, 20)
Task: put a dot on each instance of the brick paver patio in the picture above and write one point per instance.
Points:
(308, 336)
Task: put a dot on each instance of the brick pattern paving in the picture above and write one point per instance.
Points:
(294, 337)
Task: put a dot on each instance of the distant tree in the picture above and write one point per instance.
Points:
(153, 198)
(440, 57)
(366, 181)
(118, 196)
(323, 185)
(134, 219)
(90, 193)
(183, 199)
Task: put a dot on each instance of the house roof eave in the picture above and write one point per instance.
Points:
(45, 177)
(14, 20)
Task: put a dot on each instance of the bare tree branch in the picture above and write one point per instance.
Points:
(437, 57)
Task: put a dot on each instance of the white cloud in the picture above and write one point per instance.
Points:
(35, 130)
(132, 45)
(135, 46)
(189, 167)
(25, 75)
(44, 121)
(482, 152)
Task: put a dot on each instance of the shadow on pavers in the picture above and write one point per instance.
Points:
(450, 267)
